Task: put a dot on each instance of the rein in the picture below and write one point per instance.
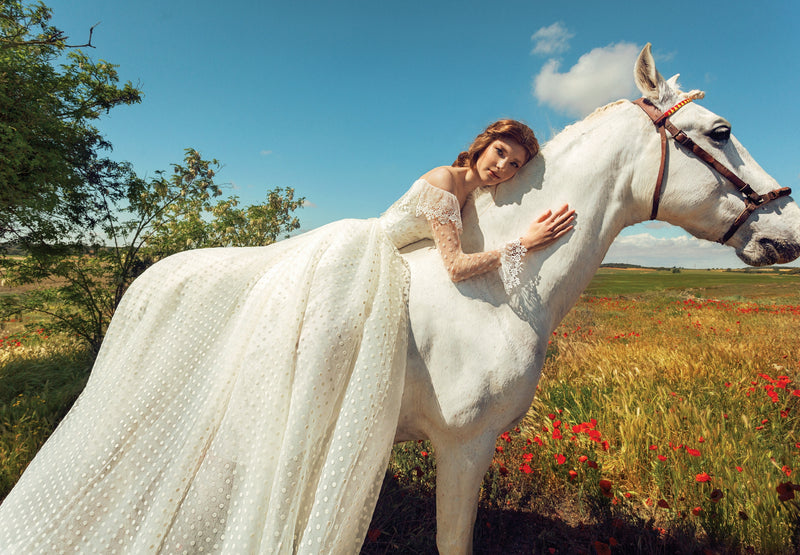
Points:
(751, 199)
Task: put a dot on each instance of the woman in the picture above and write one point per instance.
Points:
(245, 400)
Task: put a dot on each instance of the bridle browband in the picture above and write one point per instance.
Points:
(661, 120)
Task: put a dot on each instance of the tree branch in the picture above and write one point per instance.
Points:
(55, 40)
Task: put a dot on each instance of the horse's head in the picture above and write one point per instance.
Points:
(710, 180)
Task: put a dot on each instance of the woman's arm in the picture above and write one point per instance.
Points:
(459, 265)
(548, 228)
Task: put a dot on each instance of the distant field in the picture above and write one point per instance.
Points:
(722, 284)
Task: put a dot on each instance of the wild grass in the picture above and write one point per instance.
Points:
(40, 378)
(666, 421)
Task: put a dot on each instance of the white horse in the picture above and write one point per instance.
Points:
(473, 376)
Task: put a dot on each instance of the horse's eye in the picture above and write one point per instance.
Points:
(720, 134)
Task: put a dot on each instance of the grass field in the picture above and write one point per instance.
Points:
(729, 285)
(667, 420)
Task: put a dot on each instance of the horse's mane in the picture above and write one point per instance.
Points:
(573, 126)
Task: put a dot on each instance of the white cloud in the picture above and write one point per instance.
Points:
(265, 152)
(550, 40)
(599, 77)
(684, 251)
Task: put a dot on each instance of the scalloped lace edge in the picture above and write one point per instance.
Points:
(511, 264)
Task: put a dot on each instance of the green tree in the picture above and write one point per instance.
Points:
(78, 286)
(52, 175)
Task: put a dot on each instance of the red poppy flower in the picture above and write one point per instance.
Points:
(702, 477)
(716, 495)
(786, 470)
(662, 458)
(785, 491)
(573, 474)
(423, 453)
(663, 504)
(526, 468)
(654, 447)
(560, 459)
(527, 456)
(739, 468)
(605, 488)
(693, 452)
(696, 511)
(373, 535)
(591, 464)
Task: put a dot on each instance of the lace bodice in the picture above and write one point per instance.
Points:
(407, 220)
(428, 212)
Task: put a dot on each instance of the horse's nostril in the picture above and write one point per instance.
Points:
(780, 251)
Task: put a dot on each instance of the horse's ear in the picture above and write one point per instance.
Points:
(672, 82)
(648, 79)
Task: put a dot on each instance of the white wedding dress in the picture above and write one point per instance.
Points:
(244, 401)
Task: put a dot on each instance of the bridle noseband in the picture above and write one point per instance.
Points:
(661, 120)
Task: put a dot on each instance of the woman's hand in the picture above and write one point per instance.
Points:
(548, 228)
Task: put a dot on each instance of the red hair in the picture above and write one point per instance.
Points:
(501, 129)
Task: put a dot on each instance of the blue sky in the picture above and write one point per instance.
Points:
(349, 102)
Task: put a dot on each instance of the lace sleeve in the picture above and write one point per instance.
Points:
(460, 266)
(511, 264)
(443, 212)
(438, 205)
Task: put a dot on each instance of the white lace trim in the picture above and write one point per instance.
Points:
(437, 204)
(511, 264)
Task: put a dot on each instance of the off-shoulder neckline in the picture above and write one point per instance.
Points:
(428, 183)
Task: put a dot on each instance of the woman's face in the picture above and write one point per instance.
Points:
(500, 161)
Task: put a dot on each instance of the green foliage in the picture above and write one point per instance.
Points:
(52, 176)
(77, 286)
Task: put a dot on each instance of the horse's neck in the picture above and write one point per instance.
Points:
(590, 166)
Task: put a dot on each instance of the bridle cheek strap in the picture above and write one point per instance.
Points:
(661, 121)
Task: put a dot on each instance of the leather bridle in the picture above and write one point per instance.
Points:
(661, 120)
